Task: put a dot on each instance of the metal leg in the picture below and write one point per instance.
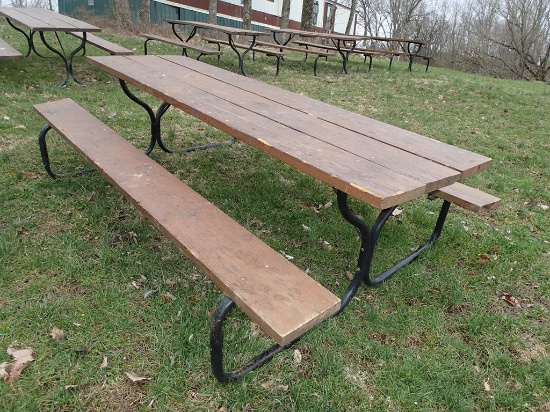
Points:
(216, 346)
(369, 237)
(155, 120)
(46, 158)
(27, 36)
(67, 60)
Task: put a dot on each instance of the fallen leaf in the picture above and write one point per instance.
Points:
(57, 334)
(104, 363)
(512, 301)
(149, 293)
(543, 206)
(167, 297)
(297, 357)
(397, 212)
(486, 386)
(21, 357)
(136, 378)
(70, 387)
(20, 127)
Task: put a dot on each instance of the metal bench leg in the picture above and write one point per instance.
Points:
(46, 159)
(155, 119)
(369, 236)
(216, 346)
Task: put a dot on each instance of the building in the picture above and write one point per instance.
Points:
(265, 13)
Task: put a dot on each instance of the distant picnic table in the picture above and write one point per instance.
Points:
(38, 20)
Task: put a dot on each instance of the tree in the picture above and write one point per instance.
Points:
(351, 19)
(307, 16)
(212, 11)
(247, 10)
(285, 14)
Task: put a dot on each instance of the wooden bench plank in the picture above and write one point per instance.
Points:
(467, 197)
(466, 162)
(184, 45)
(283, 300)
(8, 52)
(295, 49)
(244, 46)
(103, 44)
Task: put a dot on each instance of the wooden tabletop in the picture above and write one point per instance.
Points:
(36, 19)
(218, 27)
(379, 164)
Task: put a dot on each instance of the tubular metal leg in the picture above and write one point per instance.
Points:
(46, 158)
(216, 346)
(155, 119)
(369, 237)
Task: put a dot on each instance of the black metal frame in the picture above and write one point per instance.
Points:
(155, 120)
(369, 237)
(67, 58)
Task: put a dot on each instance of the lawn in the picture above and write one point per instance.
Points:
(465, 327)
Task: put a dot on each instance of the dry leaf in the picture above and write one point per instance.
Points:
(104, 363)
(149, 293)
(70, 387)
(512, 301)
(20, 127)
(396, 212)
(297, 358)
(543, 206)
(57, 334)
(30, 175)
(136, 378)
(486, 386)
(21, 357)
(167, 297)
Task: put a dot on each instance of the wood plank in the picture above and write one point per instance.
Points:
(279, 297)
(468, 197)
(37, 19)
(427, 172)
(466, 162)
(361, 178)
(103, 44)
(185, 45)
(8, 52)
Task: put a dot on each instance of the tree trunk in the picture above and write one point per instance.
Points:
(351, 16)
(144, 12)
(247, 10)
(307, 16)
(212, 11)
(285, 14)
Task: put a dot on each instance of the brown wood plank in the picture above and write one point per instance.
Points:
(103, 44)
(427, 172)
(8, 52)
(186, 45)
(279, 297)
(361, 178)
(466, 162)
(468, 197)
(37, 19)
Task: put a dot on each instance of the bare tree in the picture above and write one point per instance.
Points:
(247, 11)
(212, 11)
(144, 11)
(307, 16)
(351, 18)
(329, 22)
(285, 14)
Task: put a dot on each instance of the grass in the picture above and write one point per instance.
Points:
(438, 336)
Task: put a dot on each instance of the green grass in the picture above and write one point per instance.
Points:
(426, 340)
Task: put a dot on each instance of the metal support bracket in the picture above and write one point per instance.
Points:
(155, 120)
(46, 159)
(369, 236)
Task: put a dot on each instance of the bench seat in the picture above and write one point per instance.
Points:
(467, 197)
(283, 300)
(110, 47)
(203, 51)
(8, 52)
(271, 53)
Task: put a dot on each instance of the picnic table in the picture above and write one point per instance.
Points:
(231, 32)
(37, 20)
(376, 163)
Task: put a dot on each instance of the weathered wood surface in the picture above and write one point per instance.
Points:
(380, 164)
(8, 52)
(283, 300)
